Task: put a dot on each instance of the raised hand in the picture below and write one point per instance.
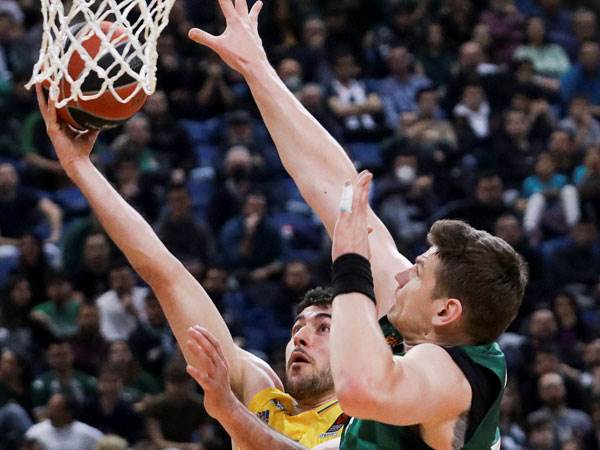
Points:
(239, 45)
(351, 232)
(70, 146)
(210, 371)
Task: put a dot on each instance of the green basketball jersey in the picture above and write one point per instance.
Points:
(369, 435)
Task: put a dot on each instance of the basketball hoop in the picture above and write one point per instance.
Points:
(136, 22)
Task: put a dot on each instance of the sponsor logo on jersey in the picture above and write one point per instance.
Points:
(264, 416)
(277, 404)
(333, 430)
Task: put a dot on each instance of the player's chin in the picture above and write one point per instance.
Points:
(298, 368)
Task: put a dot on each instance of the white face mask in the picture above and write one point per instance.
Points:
(406, 174)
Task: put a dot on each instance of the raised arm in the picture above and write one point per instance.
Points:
(370, 382)
(312, 157)
(183, 300)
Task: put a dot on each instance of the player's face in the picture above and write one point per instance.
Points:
(414, 307)
(308, 371)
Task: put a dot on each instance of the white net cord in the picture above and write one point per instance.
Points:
(65, 27)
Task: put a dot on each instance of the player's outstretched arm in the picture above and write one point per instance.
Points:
(246, 430)
(316, 162)
(370, 382)
(183, 300)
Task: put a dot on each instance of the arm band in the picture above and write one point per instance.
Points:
(352, 273)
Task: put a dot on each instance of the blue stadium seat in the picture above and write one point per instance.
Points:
(365, 154)
(201, 185)
(207, 155)
(202, 132)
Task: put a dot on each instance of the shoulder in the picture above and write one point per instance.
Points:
(269, 398)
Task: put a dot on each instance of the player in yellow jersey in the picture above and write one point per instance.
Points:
(186, 304)
(306, 427)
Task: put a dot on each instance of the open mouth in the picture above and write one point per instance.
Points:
(299, 357)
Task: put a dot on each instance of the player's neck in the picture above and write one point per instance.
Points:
(315, 402)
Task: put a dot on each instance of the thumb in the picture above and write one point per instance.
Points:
(202, 37)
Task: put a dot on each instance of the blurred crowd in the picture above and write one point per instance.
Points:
(487, 111)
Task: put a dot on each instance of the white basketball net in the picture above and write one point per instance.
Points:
(142, 21)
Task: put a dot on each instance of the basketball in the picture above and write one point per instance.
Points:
(105, 111)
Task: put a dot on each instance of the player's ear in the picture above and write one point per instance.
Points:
(448, 311)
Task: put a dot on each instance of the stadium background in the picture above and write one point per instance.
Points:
(487, 111)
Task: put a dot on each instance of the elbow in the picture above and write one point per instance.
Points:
(356, 394)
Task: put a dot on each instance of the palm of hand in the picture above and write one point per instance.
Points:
(240, 43)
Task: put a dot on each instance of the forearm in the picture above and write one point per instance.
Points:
(248, 432)
(54, 216)
(182, 299)
(360, 356)
(126, 227)
(316, 162)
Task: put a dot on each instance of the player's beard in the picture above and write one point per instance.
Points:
(302, 388)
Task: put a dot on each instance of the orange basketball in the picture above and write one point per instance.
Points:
(105, 111)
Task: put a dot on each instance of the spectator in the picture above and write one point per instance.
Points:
(14, 379)
(399, 90)
(564, 152)
(91, 276)
(214, 95)
(568, 423)
(585, 26)
(405, 199)
(61, 377)
(290, 72)
(60, 431)
(137, 188)
(427, 126)
(175, 416)
(19, 331)
(579, 262)
(34, 264)
(543, 190)
(59, 313)
(473, 68)
(14, 423)
(513, 436)
(313, 98)
(549, 60)
(513, 152)
(541, 434)
(109, 412)
(236, 184)
(573, 331)
(356, 107)
(483, 209)
(168, 137)
(18, 212)
(581, 123)
(89, 347)
(152, 340)
(134, 143)
(583, 78)
(509, 228)
(122, 305)
(472, 115)
(505, 25)
(434, 57)
(185, 236)
(137, 383)
(587, 178)
(559, 23)
(226, 295)
(250, 242)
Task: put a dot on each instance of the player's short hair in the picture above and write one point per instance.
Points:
(318, 296)
(482, 271)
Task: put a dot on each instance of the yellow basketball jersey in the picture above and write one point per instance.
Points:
(309, 428)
